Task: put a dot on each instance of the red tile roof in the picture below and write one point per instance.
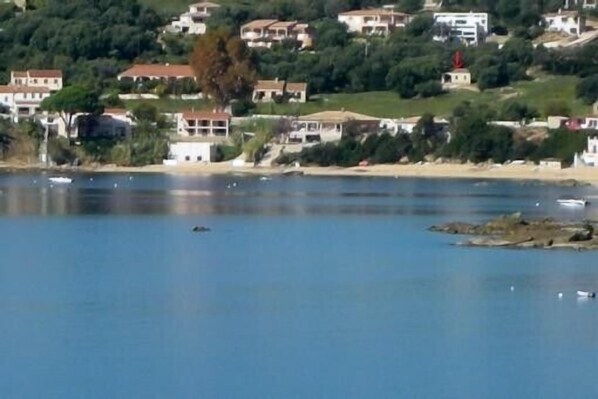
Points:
(23, 89)
(270, 85)
(45, 73)
(158, 70)
(296, 87)
(206, 115)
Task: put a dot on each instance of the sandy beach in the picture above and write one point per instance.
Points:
(461, 171)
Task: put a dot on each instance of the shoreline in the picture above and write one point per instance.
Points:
(436, 171)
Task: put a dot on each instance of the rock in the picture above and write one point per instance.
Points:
(514, 231)
(584, 235)
(455, 228)
(292, 173)
(201, 229)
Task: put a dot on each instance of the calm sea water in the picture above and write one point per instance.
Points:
(304, 288)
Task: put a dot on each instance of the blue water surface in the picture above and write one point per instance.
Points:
(305, 287)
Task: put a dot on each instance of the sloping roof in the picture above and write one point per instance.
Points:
(561, 14)
(205, 4)
(259, 24)
(205, 115)
(282, 25)
(115, 111)
(18, 74)
(296, 87)
(270, 85)
(460, 70)
(337, 116)
(163, 70)
(372, 12)
(23, 89)
(45, 73)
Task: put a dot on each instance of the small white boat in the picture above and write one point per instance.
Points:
(585, 294)
(61, 180)
(572, 202)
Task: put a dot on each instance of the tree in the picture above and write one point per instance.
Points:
(70, 101)
(587, 89)
(516, 111)
(223, 67)
(557, 108)
(411, 6)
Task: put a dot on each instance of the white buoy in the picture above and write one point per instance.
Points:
(560, 295)
(537, 204)
(235, 184)
(130, 177)
(115, 185)
(91, 179)
(35, 182)
(512, 288)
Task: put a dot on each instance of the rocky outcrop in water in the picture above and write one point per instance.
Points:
(516, 232)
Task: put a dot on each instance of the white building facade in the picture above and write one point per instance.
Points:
(267, 32)
(590, 156)
(193, 22)
(22, 101)
(380, 21)
(182, 152)
(469, 28)
(569, 22)
(50, 78)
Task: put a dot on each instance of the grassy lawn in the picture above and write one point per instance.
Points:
(171, 105)
(538, 93)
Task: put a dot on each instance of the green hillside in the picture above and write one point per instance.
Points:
(538, 93)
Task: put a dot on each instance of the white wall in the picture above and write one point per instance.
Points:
(192, 152)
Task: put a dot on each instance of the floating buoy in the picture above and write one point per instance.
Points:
(115, 185)
(560, 295)
(235, 184)
(91, 179)
(512, 288)
(537, 204)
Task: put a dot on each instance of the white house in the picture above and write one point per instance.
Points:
(164, 72)
(113, 123)
(407, 125)
(329, 126)
(50, 78)
(590, 156)
(470, 28)
(569, 22)
(378, 21)
(456, 78)
(194, 20)
(266, 32)
(22, 101)
(206, 124)
(595, 108)
(181, 152)
(586, 4)
(269, 90)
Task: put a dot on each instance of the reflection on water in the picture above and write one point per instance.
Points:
(33, 194)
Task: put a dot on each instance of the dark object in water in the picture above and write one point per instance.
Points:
(201, 229)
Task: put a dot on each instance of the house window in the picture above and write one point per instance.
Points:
(46, 81)
(198, 158)
(187, 158)
(35, 81)
(55, 81)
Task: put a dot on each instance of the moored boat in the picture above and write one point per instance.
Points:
(61, 180)
(586, 294)
(572, 202)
